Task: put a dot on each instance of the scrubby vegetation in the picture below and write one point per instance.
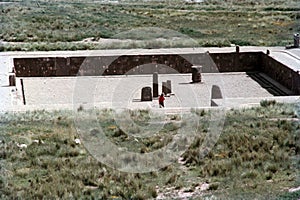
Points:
(61, 25)
(257, 156)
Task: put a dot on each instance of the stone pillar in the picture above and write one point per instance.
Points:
(196, 74)
(169, 87)
(216, 93)
(164, 88)
(12, 80)
(23, 93)
(237, 49)
(155, 84)
(296, 40)
(146, 94)
(1, 46)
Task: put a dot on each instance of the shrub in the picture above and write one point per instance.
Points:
(241, 42)
(250, 174)
(273, 168)
(213, 186)
(267, 103)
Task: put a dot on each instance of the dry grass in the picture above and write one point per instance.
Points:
(50, 25)
(255, 157)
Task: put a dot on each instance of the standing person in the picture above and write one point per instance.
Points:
(161, 100)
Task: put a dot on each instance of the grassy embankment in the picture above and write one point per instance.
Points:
(60, 25)
(256, 156)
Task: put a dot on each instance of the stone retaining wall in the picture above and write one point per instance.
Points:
(281, 73)
(100, 65)
(117, 65)
(237, 62)
(162, 63)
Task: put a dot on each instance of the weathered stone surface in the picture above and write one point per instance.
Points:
(233, 62)
(196, 74)
(146, 94)
(296, 40)
(216, 92)
(164, 88)
(118, 65)
(114, 65)
(99, 65)
(237, 49)
(12, 80)
(281, 73)
(169, 87)
(155, 84)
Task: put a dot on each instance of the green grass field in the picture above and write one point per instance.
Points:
(60, 25)
(256, 157)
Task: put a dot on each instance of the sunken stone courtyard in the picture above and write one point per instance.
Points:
(111, 79)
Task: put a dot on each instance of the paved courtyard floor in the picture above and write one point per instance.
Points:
(125, 91)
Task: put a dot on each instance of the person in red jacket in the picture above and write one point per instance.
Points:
(161, 100)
